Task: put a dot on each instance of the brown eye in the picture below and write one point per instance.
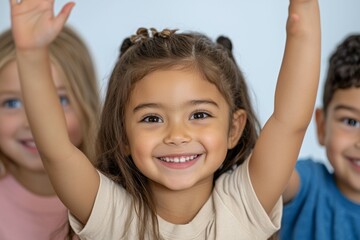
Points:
(200, 115)
(351, 122)
(152, 119)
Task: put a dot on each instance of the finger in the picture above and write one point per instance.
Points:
(14, 2)
(64, 15)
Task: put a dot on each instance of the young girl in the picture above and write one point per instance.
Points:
(29, 206)
(176, 149)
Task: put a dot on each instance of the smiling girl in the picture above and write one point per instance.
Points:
(176, 149)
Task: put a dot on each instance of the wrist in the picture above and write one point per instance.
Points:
(32, 55)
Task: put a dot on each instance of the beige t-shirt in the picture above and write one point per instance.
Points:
(232, 212)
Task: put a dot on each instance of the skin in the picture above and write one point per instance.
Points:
(338, 130)
(274, 156)
(184, 117)
(16, 140)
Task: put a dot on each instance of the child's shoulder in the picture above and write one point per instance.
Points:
(314, 175)
(312, 166)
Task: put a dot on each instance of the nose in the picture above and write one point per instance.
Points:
(177, 134)
(357, 144)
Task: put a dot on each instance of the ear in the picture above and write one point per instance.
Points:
(237, 126)
(320, 125)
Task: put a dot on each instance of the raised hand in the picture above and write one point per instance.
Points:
(299, 20)
(34, 24)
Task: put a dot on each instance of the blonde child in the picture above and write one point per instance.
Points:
(29, 206)
(323, 204)
(176, 148)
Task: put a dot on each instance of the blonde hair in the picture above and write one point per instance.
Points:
(69, 54)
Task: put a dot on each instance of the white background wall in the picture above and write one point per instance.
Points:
(256, 27)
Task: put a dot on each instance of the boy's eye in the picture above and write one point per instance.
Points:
(64, 100)
(199, 115)
(351, 122)
(152, 119)
(12, 103)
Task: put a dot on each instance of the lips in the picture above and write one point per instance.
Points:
(355, 162)
(30, 145)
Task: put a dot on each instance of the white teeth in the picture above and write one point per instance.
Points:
(357, 162)
(178, 159)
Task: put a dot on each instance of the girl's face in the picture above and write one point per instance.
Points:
(339, 132)
(177, 124)
(16, 140)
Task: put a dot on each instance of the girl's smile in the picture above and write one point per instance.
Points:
(177, 125)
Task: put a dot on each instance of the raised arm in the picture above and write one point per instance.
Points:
(277, 149)
(34, 27)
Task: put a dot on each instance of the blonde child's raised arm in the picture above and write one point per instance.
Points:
(277, 149)
(34, 27)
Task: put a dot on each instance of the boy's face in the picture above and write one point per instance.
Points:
(177, 124)
(16, 140)
(339, 133)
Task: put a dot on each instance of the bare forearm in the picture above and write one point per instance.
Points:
(278, 146)
(299, 75)
(42, 105)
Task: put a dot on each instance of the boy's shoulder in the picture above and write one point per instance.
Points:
(310, 166)
(315, 178)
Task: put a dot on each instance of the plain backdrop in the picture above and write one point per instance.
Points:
(256, 28)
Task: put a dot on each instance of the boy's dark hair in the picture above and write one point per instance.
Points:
(344, 68)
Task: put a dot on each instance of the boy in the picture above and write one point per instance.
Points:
(322, 204)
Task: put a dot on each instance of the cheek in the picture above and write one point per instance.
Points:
(142, 145)
(336, 142)
(215, 141)
(8, 126)
(74, 128)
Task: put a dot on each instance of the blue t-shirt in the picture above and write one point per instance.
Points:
(319, 210)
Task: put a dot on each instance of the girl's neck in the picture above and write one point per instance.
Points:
(36, 182)
(180, 207)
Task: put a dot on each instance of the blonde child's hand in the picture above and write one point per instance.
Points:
(34, 24)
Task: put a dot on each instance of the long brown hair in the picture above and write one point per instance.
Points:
(147, 52)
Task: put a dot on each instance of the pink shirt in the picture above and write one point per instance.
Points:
(24, 215)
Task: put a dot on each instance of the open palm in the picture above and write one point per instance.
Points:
(34, 24)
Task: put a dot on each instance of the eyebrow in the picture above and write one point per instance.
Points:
(61, 88)
(191, 103)
(7, 91)
(346, 107)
